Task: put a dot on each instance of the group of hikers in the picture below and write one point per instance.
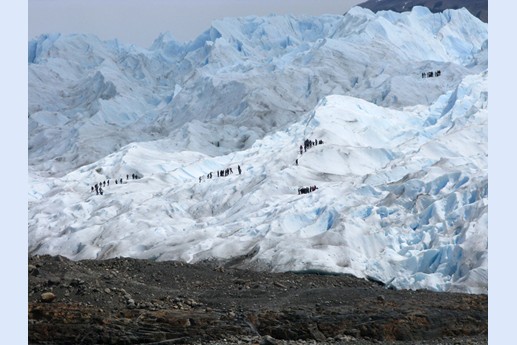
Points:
(306, 190)
(221, 173)
(307, 144)
(98, 186)
(431, 74)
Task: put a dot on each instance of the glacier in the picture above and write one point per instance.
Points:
(402, 170)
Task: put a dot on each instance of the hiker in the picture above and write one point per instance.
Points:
(116, 182)
(104, 183)
(108, 182)
(100, 190)
(301, 149)
(199, 179)
(296, 161)
(231, 171)
(239, 168)
(92, 188)
(121, 180)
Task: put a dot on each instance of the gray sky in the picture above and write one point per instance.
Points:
(141, 21)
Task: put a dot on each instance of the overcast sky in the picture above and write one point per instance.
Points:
(141, 21)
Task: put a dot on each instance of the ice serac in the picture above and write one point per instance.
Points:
(401, 172)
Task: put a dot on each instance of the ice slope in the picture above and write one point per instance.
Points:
(402, 195)
(245, 76)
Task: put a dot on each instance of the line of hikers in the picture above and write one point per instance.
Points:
(307, 144)
(221, 173)
(98, 186)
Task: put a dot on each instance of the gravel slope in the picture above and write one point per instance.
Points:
(129, 301)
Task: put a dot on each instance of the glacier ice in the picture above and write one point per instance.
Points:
(402, 173)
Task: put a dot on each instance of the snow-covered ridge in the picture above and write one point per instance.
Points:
(402, 172)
